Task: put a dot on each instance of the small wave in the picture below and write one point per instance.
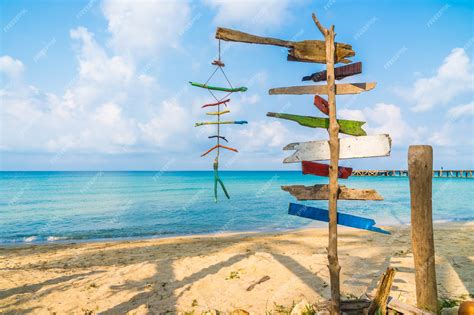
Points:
(55, 238)
(30, 239)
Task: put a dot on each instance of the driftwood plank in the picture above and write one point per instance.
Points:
(342, 218)
(348, 127)
(321, 192)
(354, 147)
(306, 50)
(320, 169)
(403, 308)
(343, 88)
(339, 73)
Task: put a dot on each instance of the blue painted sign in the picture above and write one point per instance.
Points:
(342, 218)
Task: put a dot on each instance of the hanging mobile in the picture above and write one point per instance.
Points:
(219, 101)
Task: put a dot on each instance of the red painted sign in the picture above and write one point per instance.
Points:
(321, 104)
(319, 169)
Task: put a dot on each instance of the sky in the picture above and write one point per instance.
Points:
(103, 85)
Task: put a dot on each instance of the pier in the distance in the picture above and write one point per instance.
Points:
(436, 173)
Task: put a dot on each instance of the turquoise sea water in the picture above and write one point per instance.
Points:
(54, 206)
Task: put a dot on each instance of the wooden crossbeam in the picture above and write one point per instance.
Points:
(354, 147)
(321, 192)
(305, 51)
(343, 88)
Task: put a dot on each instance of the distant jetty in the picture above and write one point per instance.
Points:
(436, 173)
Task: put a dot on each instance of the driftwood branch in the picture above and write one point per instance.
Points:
(320, 27)
(383, 291)
(305, 50)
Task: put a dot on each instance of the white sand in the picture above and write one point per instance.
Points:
(203, 273)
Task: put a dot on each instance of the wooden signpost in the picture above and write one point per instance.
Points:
(326, 52)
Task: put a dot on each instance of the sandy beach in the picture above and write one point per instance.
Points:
(214, 272)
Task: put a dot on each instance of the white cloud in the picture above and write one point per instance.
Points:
(252, 14)
(169, 127)
(96, 114)
(461, 111)
(143, 28)
(385, 118)
(263, 134)
(458, 129)
(11, 67)
(454, 77)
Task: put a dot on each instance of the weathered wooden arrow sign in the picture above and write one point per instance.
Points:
(321, 192)
(321, 104)
(319, 169)
(343, 88)
(350, 148)
(238, 122)
(339, 72)
(306, 51)
(342, 218)
(216, 88)
(348, 127)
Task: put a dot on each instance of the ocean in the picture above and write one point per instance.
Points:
(39, 207)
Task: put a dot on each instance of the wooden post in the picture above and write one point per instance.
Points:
(420, 165)
(334, 267)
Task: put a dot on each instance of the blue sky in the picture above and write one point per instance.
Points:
(89, 85)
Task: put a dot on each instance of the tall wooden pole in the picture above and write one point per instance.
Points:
(334, 267)
(420, 168)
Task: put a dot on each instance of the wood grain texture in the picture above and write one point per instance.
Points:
(305, 51)
(400, 307)
(342, 88)
(339, 72)
(348, 127)
(420, 168)
(354, 147)
(379, 303)
(321, 192)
